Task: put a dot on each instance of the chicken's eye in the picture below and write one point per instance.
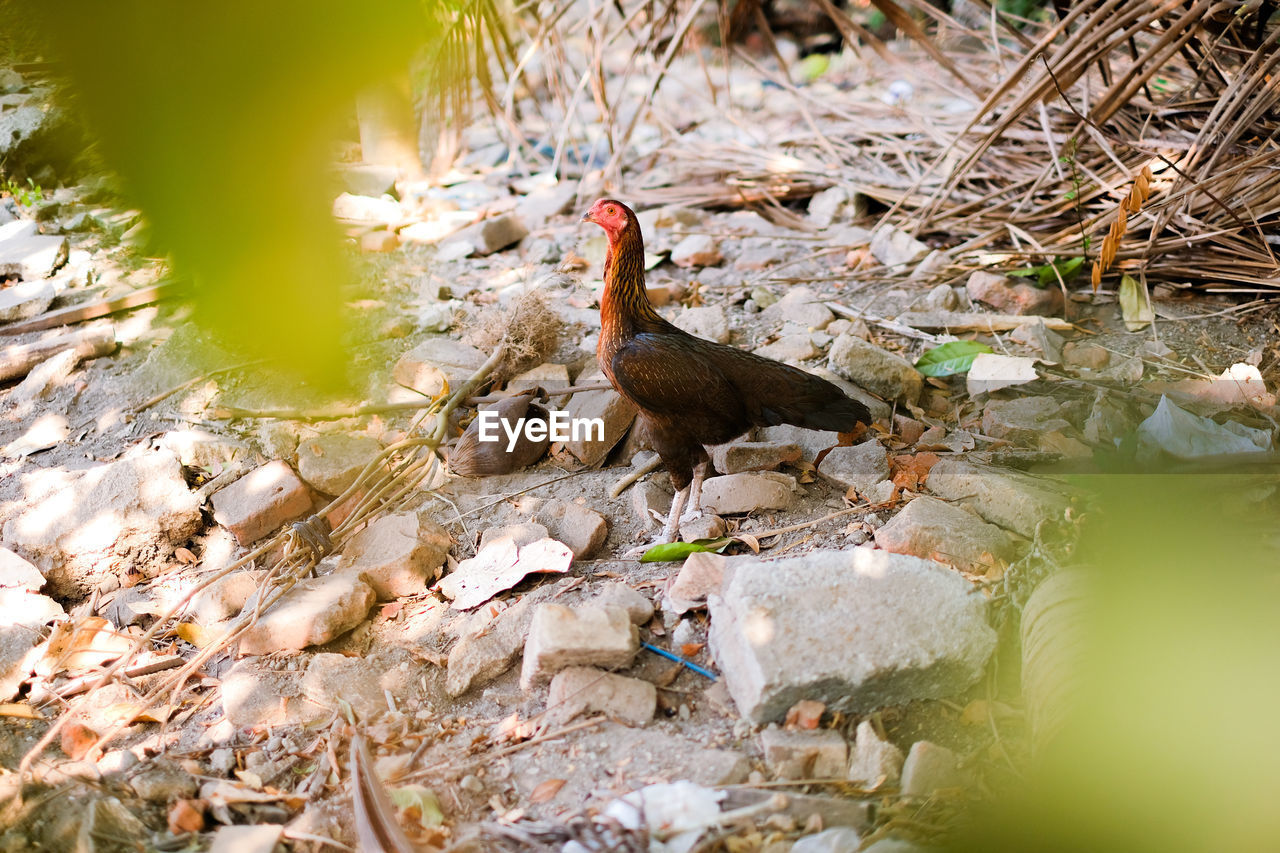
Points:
(611, 210)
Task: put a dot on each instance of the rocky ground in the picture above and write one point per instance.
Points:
(850, 686)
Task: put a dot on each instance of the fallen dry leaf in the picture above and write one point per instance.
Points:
(691, 649)
(911, 471)
(77, 738)
(184, 556)
(17, 709)
(186, 816)
(546, 790)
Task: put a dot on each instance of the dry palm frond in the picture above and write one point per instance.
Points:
(1131, 203)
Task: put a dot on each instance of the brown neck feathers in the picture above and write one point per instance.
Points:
(625, 300)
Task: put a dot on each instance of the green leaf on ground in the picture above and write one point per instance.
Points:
(671, 551)
(950, 358)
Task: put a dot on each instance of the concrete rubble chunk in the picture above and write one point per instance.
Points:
(800, 307)
(80, 527)
(748, 492)
(859, 629)
(261, 501)
(860, 467)
(1012, 499)
(707, 322)
(581, 528)
(790, 349)
(697, 250)
(28, 255)
(17, 645)
(929, 768)
(1023, 419)
(398, 554)
(894, 247)
(27, 299)
(486, 651)
(544, 204)
(883, 373)
(314, 612)
(561, 637)
(937, 530)
(1013, 296)
(490, 235)
(428, 366)
(608, 405)
(818, 754)
(331, 463)
(225, 597)
(619, 594)
(647, 498)
(549, 377)
(17, 573)
(705, 526)
(701, 575)
(875, 761)
(580, 690)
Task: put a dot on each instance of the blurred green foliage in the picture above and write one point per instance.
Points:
(220, 121)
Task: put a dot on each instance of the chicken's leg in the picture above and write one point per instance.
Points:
(694, 508)
(671, 530)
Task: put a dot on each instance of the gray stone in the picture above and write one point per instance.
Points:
(313, 612)
(743, 456)
(1013, 296)
(164, 783)
(490, 235)
(708, 322)
(583, 529)
(544, 204)
(859, 630)
(802, 754)
(1079, 354)
(225, 597)
(261, 501)
(27, 254)
(258, 838)
(560, 637)
(894, 247)
(618, 594)
(579, 690)
(936, 530)
(860, 467)
(840, 839)
(701, 575)
(647, 498)
(930, 768)
(697, 250)
(1011, 499)
(757, 254)
(17, 643)
(116, 762)
(368, 209)
(705, 526)
(790, 349)
(368, 179)
(875, 761)
(332, 679)
(748, 492)
(26, 299)
(800, 307)
(331, 463)
(549, 377)
(608, 405)
(199, 448)
(80, 527)
(827, 205)
(17, 573)
(1022, 419)
(256, 697)
(398, 554)
(883, 373)
(428, 366)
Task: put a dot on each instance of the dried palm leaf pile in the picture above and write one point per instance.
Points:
(1009, 144)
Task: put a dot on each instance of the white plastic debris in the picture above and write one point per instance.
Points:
(674, 814)
(1180, 433)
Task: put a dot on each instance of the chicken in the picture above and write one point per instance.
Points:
(692, 392)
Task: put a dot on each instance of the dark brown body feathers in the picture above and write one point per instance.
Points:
(693, 392)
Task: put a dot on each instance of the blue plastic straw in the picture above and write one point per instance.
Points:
(671, 656)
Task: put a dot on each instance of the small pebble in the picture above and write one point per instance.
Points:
(471, 784)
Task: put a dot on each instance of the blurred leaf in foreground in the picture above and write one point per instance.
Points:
(220, 120)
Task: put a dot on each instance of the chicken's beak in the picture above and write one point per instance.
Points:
(586, 217)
